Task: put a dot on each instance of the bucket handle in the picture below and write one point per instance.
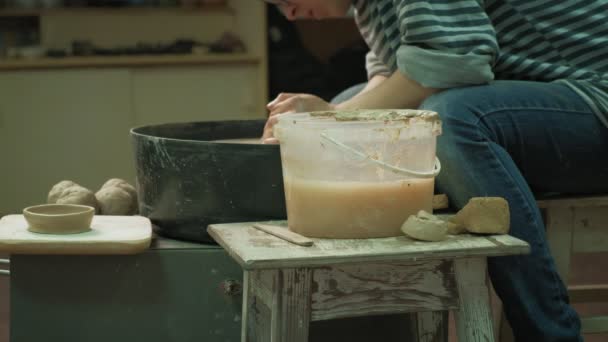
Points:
(392, 168)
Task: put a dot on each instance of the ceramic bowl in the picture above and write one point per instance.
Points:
(59, 218)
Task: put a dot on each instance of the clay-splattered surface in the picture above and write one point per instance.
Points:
(255, 249)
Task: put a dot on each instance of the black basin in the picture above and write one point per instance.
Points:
(186, 182)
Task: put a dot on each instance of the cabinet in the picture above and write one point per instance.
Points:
(176, 291)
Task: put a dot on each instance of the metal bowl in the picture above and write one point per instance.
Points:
(187, 180)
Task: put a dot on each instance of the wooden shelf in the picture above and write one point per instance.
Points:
(35, 12)
(126, 61)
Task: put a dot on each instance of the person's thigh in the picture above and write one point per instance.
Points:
(556, 141)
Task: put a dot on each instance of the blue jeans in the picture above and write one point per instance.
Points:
(513, 139)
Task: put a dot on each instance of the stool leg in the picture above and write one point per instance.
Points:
(431, 326)
(474, 316)
(506, 333)
(560, 230)
(256, 317)
(291, 305)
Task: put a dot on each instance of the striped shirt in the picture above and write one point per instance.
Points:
(452, 43)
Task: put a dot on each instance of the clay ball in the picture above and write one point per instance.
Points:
(123, 184)
(115, 201)
(57, 189)
(77, 194)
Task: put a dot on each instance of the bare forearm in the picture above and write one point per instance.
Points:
(374, 82)
(397, 91)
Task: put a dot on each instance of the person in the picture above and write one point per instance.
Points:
(522, 91)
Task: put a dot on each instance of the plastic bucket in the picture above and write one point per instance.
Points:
(357, 174)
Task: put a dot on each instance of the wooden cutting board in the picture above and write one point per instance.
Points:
(108, 235)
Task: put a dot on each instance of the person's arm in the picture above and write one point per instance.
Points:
(376, 71)
(397, 91)
(394, 92)
(443, 45)
(373, 83)
(446, 44)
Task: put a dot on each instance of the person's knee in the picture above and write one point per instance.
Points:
(459, 128)
(459, 121)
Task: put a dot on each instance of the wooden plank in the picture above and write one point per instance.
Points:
(284, 233)
(264, 285)
(256, 317)
(594, 325)
(559, 224)
(255, 249)
(582, 201)
(252, 329)
(590, 230)
(505, 241)
(136, 10)
(474, 316)
(431, 326)
(291, 311)
(246, 306)
(128, 61)
(502, 328)
(505, 331)
(588, 293)
(383, 288)
(108, 235)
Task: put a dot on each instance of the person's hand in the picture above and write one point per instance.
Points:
(297, 103)
(291, 103)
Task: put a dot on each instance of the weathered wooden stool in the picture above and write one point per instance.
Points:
(575, 225)
(288, 286)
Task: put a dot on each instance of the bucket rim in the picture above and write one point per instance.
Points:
(360, 116)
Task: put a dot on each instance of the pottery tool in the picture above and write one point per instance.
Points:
(285, 234)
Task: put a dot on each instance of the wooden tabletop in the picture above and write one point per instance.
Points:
(254, 249)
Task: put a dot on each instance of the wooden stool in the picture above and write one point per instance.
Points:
(575, 225)
(288, 286)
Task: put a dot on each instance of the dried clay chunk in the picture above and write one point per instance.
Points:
(425, 226)
(455, 228)
(57, 189)
(77, 194)
(115, 201)
(486, 215)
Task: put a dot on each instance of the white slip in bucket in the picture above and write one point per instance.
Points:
(357, 174)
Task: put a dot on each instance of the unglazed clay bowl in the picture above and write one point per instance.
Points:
(59, 218)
